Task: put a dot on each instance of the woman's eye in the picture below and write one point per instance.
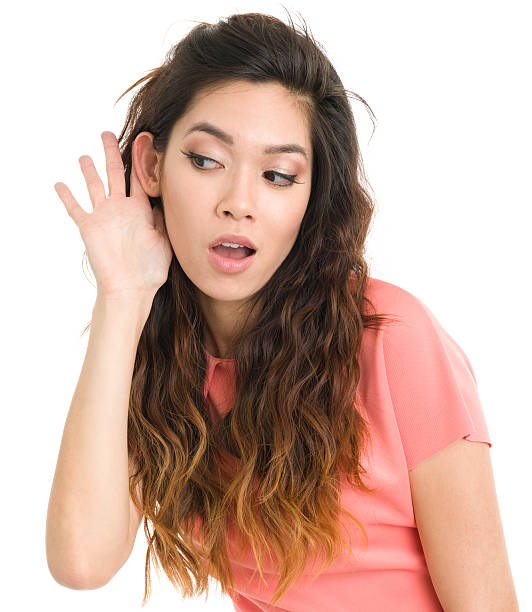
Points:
(195, 158)
(288, 177)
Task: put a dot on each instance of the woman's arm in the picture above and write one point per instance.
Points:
(457, 515)
(89, 529)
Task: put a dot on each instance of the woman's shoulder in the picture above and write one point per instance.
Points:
(386, 296)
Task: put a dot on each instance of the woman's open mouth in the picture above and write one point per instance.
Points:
(231, 259)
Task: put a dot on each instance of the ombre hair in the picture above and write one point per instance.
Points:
(271, 467)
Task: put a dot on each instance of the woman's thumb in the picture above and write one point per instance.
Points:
(158, 220)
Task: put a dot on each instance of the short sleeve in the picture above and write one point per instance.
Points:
(432, 385)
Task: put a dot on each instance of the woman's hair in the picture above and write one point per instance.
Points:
(271, 468)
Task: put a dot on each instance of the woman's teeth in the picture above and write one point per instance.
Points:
(232, 244)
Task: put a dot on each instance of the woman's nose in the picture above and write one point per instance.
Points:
(240, 196)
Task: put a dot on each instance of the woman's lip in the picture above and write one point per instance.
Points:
(231, 266)
(235, 239)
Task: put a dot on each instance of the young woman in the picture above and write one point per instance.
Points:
(306, 434)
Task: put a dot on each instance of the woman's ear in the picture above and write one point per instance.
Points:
(146, 163)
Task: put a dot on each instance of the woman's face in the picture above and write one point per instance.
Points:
(237, 190)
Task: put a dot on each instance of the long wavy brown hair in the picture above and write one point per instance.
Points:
(271, 467)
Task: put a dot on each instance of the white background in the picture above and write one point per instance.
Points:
(449, 163)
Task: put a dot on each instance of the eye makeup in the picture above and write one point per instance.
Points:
(195, 157)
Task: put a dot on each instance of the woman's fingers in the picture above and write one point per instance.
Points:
(96, 188)
(114, 165)
(73, 208)
(93, 181)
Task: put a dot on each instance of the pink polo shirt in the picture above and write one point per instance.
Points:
(419, 394)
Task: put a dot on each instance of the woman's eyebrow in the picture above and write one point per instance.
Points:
(209, 128)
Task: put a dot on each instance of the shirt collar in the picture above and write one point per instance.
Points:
(227, 365)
